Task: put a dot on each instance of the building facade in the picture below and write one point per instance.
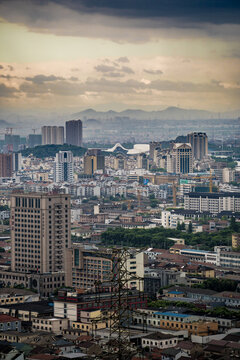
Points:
(93, 161)
(63, 167)
(52, 135)
(40, 232)
(6, 165)
(213, 203)
(199, 142)
(182, 158)
(74, 132)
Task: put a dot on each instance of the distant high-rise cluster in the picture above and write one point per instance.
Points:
(199, 142)
(63, 167)
(74, 132)
(52, 135)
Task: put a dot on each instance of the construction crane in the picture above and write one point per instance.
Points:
(206, 177)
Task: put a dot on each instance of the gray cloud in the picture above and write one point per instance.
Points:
(153, 72)
(114, 74)
(113, 86)
(6, 91)
(104, 68)
(127, 70)
(11, 68)
(114, 71)
(1, 67)
(39, 79)
(127, 21)
(123, 59)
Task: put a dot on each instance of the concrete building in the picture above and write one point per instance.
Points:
(9, 323)
(63, 167)
(6, 165)
(93, 161)
(52, 135)
(159, 340)
(199, 142)
(154, 145)
(213, 203)
(50, 325)
(171, 220)
(13, 141)
(194, 324)
(182, 158)
(74, 132)
(40, 231)
(85, 267)
(142, 161)
(16, 161)
(228, 175)
(34, 140)
(235, 241)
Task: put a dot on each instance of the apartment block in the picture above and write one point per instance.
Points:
(213, 203)
(40, 232)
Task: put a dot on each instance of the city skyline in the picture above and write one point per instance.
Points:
(72, 55)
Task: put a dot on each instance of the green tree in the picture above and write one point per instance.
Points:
(190, 228)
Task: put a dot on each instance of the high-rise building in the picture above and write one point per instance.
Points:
(199, 142)
(74, 132)
(40, 232)
(34, 140)
(93, 161)
(12, 141)
(6, 165)
(16, 161)
(63, 167)
(142, 161)
(52, 135)
(153, 145)
(182, 158)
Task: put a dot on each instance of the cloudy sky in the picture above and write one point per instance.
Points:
(68, 55)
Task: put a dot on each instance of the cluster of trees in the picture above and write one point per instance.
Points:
(218, 285)
(158, 237)
(44, 151)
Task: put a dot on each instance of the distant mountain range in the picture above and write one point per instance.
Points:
(171, 113)
(4, 123)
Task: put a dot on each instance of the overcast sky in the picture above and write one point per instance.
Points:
(71, 55)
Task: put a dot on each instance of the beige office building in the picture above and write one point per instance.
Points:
(40, 232)
(182, 158)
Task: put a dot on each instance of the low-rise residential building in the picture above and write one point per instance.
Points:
(159, 340)
(51, 325)
(9, 323)
(175, 321)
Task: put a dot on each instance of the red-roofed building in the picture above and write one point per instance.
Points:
(9, 323)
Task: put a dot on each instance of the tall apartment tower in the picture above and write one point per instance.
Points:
(93, 160)
(16, 161)
(182, 158)
(52, 135)
(74, 132)
(153, 145)
(199, 142)
(6, 165)
(63, 167)
(40, 232)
